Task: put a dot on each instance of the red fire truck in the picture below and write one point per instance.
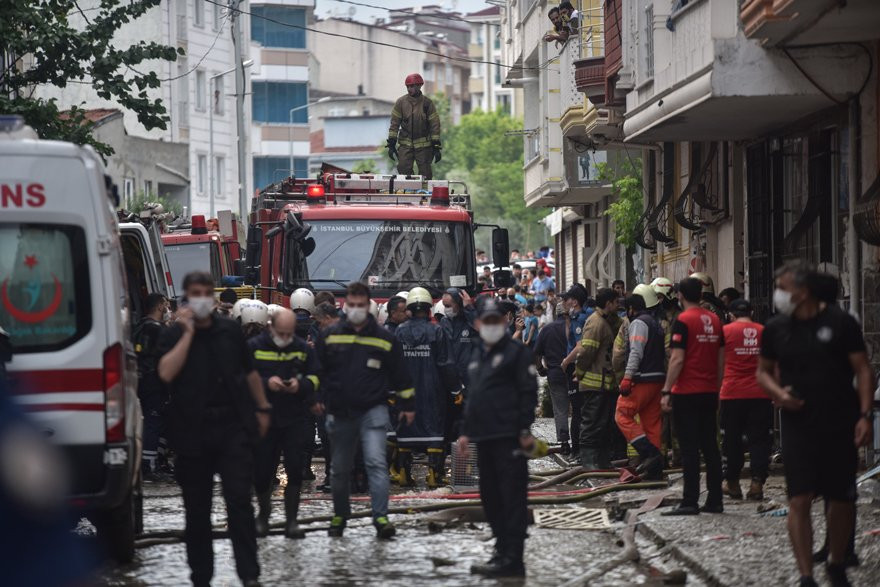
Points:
(391, 232)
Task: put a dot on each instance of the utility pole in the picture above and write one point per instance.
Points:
(237, 43)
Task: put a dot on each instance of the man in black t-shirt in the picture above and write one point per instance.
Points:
(151, 391)
(817, 349)
(215, 391)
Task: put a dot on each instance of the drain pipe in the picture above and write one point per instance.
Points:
(855, 298)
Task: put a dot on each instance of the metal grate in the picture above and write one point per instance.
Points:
(572, 519)
(465, 472)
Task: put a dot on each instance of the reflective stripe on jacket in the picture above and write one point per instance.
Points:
(414, 122)
(594, 362)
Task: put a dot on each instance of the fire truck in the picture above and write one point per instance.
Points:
(391, 232)
(204, 245)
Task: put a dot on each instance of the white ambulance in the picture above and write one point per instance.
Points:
(64, 303)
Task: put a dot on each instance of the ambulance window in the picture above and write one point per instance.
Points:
(136, 275)
(44, 286)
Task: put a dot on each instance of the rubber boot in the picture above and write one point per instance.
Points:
(650, 459)
(291, 511)
(404, 467)
(756, 490)
(590, 459)
(264, 502)
(436, 468)
(604, 458)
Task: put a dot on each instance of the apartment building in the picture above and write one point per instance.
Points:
(486, 83)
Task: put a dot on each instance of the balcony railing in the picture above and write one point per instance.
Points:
(589, 75)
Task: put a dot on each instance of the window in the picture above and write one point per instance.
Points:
(276, 34)
(448, 73)
(128, 190)
(148, 188)
(649, 41)
(201, 173)
(183, 92)
(497, 73)
(186, 258)
(504, 103)
(429, 72)
(272, 102)
(479, 70)
(219, 176)
(268, 170)
(45, 275)
(217, 95)
(218, 16)
(199, 13)
(456, 82)
(200, 90)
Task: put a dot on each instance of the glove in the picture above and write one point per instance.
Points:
(391, 145)
(437, 154)
(626, 386)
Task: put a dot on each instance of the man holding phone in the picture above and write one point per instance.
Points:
(289, 370)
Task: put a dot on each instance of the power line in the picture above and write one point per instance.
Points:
(370, 42)
(416, 14)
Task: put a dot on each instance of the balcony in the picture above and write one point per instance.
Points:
(589, 76)
(777, 22)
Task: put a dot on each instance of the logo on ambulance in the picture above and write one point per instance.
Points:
(32, 289)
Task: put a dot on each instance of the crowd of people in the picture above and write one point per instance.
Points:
(236, 384)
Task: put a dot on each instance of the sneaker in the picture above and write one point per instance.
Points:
(732, 489)
(337, 527)
(384, 528)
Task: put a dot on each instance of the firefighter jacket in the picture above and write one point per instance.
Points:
(428, 357)
(618, 354)
(359, 368)
(463, 336)
(503, 391)
(594, 370)
(645, 351)
(295, 361)
(415, 122)
(711, 303)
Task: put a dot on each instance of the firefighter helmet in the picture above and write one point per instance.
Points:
(708, 285)
(374, 309)
(402, 294)
(648, 294)
(254, 311)
(418, 296)
(663, 286)
(302, 299)
(439, 309)
(414, 78)
(273, 309)
(383, 313)
(236, 309)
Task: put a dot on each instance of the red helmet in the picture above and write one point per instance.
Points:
(414, 78)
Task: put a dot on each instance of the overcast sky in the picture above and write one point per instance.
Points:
(325, 8)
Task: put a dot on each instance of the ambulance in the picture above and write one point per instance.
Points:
(64, 302)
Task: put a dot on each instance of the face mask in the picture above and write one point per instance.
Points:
(281, 341)
(449, 312)
(782, 302)
(574, 312)
(492, 333)
(166, 317)
(201, 306)
(356, 315)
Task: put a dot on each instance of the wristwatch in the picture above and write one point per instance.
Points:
(869, 415)
(665, 392)
(265, 410)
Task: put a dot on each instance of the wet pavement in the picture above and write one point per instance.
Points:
(736, 548)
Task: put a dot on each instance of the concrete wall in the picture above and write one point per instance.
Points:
(355, 132)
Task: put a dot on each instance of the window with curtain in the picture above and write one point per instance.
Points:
(272, 102)
(268, 170)
(274, 34)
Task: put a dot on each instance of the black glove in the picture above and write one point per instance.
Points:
(391, 145)
(437, 154)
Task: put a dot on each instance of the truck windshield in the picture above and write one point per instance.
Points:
(388, 255)
(185, 258)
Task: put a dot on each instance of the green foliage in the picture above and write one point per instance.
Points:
(65, 45)
(137, 203)
(626, 181)
(365, 166)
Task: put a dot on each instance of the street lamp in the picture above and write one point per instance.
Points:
(211, 164)
(290, 126)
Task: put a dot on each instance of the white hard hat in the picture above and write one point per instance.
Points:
(236, 309)
(663, 286)
(648, 294)
(302, 299)
(254, 311)
(374, 309)
(439, 308)
(705, 280)
(273, 309)
(383, 313)
(417, 296)
(401, 294)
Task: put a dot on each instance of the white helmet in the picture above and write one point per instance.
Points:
(383, 313)
(374, 309)
(273, 309)
(648, 294)
(236, 309)
(254, 311)
(418, 296)
(439, 308)
(303, 299)
(664, 287)
(401, 294)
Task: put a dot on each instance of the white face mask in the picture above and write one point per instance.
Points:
(356, 315)
(201, 306)
(782, 302)
(449, 311)
(492, 333)
(281, 341)
(166, 316)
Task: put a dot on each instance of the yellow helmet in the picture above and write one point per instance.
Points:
(663, 286)
(418, 295)
(708, 285)
(648, 294)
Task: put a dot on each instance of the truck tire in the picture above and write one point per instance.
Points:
(118, 527)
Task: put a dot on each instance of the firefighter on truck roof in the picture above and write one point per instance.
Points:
(414, 134)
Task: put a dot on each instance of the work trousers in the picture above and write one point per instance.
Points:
(370, 427)
(598, 431)
(227, 450)
(560, 400)
(754, 418)
(644, 402)
(151, 407)
(423, 157)
(695, 417)
(576, 398)
(294, 442)
(504, 478)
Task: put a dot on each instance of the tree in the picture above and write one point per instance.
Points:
(365, 166)
(54, 42)
(626, 183)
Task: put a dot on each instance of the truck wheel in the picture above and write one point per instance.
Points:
(118, 527)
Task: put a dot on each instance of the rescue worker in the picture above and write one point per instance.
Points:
(643, 378)
(289, 370)
(326, 315)
(152, 393)
(361, 362)
(428, 357)
(667, 314)
(459, 323)
(499, 413)
(211, 419)
(302, 303)
(596, 381)
(574, 300)
(396, 313)
(254, 316)
(708, 301)
(414, 134)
